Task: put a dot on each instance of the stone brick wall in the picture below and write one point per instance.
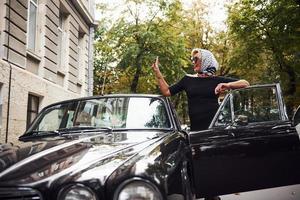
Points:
(40, 72)
(22, 84)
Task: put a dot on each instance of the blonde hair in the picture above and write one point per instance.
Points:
(196, 52)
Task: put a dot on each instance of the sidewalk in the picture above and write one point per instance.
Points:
(281, 193)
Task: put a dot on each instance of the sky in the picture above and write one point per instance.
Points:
(217, 14)
(216, 11)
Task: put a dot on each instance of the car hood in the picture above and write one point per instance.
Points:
(76, 158)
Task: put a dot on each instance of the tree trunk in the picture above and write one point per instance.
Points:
(290, 90)
(135, 81)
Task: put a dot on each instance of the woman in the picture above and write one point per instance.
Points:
(202, 88)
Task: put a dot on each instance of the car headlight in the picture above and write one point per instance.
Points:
(77, 192)
(140, 190)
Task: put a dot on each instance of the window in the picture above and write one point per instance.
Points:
(32, 108)
(32, 24)
(61, 39)
(91, 7)
(60, 116)
(256, 105)
(81, 56)
(224, 118)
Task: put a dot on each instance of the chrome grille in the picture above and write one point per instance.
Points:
(19, 194)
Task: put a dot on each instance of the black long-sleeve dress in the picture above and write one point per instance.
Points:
(202, 100)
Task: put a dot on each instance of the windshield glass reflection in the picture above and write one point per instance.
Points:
(113, 112)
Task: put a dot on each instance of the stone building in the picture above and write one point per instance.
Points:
(45, 56)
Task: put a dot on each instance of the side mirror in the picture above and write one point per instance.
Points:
(241, 120)
(296, 117)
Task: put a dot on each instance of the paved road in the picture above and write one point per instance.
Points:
(280, 193)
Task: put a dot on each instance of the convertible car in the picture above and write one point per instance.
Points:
(132, 147)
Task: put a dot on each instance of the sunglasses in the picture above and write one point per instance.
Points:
(194, 59)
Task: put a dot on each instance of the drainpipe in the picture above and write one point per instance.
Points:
(10, 74)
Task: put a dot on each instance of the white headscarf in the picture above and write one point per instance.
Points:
(209, 64)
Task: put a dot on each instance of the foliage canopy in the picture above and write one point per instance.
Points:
(261, 44)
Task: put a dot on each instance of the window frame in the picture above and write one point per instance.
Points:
(61, 37)
(35, 3)
(229, 97)
(30, 111)
(169, 118)
(227, 100)
(276, 100)
(81, 51)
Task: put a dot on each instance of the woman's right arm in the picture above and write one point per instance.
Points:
(163, 85)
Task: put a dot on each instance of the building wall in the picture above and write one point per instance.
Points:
(58, 68)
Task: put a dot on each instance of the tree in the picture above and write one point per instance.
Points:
(134, 41)
(265, 42)
(125, 50)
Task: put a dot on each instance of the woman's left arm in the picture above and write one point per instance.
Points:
(221, 87)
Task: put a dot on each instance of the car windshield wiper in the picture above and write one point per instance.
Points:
(76, 129)
(38, 134)
(64, 131)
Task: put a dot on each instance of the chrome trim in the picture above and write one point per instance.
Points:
(258, 86)
(218, 111)
(68, 187)
(294, 115)
(19, 193)
(280, 100)
(231, 108)
(136, 179)
(170, 113)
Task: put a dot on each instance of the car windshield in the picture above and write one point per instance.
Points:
(109, 113)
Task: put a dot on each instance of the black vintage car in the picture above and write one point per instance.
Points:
(121, 147)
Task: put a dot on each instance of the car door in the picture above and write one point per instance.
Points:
(249, 145)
